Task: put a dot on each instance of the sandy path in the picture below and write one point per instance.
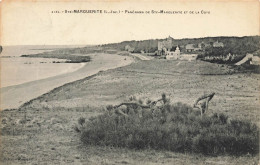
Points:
(141, 57)
(15, 96)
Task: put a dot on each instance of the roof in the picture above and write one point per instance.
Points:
(189, 46)
(170, 38)
(218, 44)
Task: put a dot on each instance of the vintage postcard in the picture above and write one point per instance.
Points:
(129, 82)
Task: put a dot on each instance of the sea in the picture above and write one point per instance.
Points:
(17, 70)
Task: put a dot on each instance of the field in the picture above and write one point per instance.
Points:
(43, 129)
(237, 95)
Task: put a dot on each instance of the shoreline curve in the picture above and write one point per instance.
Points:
(12, 97)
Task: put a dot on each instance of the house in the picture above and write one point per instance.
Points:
(129, 48)
(218, 44)
(190, 48)
(203, 45)
(173, 54)
(165, 45)
(196, 47)
(255, 60)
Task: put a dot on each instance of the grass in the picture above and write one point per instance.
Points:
(236, 94)
(175, 128)
(247, 68)
(58, 143)
(236, 97)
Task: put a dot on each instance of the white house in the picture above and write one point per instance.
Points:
(218, 44)
(173, 54)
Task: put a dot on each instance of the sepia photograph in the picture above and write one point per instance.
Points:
(129, 82)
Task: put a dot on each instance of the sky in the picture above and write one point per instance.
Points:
(33, 23)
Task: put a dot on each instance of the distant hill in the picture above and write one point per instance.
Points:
(237, 46)
(234, 45)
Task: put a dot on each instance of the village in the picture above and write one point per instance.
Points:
(170, 51)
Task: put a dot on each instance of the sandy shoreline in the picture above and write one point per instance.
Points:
(17, 73)
(15, 96)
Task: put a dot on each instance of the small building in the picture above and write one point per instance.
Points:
(203, 45)
(164, 46)
(190, 48)
(129, 48)
(218, 44)
(173, 54)
(255, 60)
(196, 47)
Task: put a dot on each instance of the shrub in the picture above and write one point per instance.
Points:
(148, 101)
(81, 121)
(140, 101)
(172, 127)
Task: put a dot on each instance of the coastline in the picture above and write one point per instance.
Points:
(14, 96)
(19, 79)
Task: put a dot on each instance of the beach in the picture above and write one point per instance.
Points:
(20, 70)
(14, 96)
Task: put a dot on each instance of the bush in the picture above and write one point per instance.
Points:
(172, 127)
(81, 121)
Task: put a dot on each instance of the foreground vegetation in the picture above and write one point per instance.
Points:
(174, 127)
(46, 136)
(45, 133)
